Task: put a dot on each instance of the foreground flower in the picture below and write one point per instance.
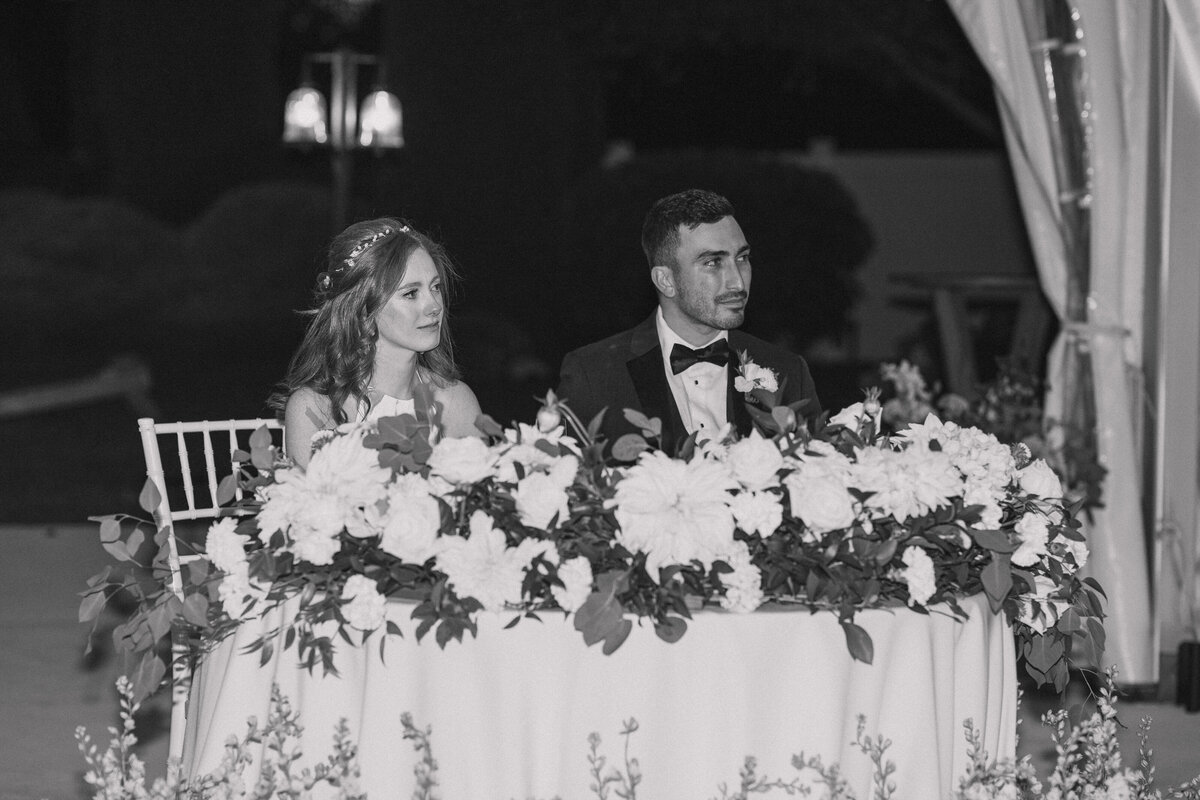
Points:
(757, 512)
(462, 461)
(817, 493)
(412, 520)
(743, 586)
(1033, 533)
(237, 592)
(1038, 479)
(906, 483)
(751, 376)
(1040, 609)
(541, 497)
(312, 507)
(674, 511)
(755, 461)
(365, 608)
(918, 575)
(483, 566)
(576, 575)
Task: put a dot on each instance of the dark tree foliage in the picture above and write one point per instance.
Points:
(804, 228)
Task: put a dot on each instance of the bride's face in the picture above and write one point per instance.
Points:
(412, 317)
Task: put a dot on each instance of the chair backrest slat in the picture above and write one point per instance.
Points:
(210, 465)
(185, 469)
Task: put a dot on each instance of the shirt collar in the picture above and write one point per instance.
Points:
(668, 338)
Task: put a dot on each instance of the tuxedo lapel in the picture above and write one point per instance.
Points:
(650, 382)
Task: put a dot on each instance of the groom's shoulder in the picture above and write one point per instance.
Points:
(762, 350)
(610, 346)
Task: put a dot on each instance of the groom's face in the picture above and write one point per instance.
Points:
(712, 274)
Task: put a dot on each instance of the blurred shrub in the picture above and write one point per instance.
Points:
(804, 228)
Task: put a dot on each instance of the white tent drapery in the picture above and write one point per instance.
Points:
(1116, 46)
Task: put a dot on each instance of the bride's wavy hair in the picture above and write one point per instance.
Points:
(366, 262)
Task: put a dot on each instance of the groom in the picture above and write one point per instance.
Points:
(680, 364)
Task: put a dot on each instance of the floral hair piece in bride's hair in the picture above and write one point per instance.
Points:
(325, 281)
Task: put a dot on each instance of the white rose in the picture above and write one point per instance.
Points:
(462, 461)
(1038, 479)
(576, 575)
(755, 461)
(1034, 533)
(365, 608)
(755, 377)
(413, 520)
(820, 500)
(539, 498)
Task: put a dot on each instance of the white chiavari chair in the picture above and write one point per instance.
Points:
(177, 454)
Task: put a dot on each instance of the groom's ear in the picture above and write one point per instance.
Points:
(663, 279)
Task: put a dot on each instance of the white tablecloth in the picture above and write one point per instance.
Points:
(512, 709)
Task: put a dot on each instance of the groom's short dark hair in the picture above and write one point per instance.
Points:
(694, 207)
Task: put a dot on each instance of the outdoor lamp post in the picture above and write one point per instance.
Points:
(342, 123)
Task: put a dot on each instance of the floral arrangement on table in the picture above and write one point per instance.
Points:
(1009, 407)
(830, 515)
(1088, 764)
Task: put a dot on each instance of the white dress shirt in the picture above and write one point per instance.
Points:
(701, 390)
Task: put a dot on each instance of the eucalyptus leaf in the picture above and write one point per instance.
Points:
(996, 541)
(147, 676)
(110, 529)
(672, 630)
(150, 497)
(628, 447)
(93, 603)
(227, 489)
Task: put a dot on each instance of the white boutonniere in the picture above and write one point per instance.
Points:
(751, 376)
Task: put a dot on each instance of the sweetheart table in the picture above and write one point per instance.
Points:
(511, 710)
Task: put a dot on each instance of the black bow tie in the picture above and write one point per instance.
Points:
(683, 356)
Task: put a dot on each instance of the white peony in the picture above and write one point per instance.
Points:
(1033, 533)
(483, 566)
(1038, 479)
(225, 547)
(906, 483)
(462, 461)
(1077, 550)
(918, 575)
(364, 607)
(674, 511)
(743, 586)
(412, 521)
(1038, 609)
(757, 512)
(755, 461)
(576, 575)
(312, 507)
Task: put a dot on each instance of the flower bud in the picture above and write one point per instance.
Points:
(548, 418)
(871, 407)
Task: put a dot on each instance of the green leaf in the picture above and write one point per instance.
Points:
(134, 542)
(110, 530)
(650, 426)
(784, 417)
(118, 550)
(147, 676)
(858, 641)
(195, 610)
(261, 449)
(1043, 652)
(149, 497)
(489, 426)
(671, 630)
(227, 489)
(1070, 621)
(997, 580)
(628, 447)
(996, 541)
(93, 603)
(602, 615)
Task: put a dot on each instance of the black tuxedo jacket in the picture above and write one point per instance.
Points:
(626, 371)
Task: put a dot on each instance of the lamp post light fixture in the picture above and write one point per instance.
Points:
(342, 123)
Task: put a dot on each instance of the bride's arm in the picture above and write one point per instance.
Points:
(306, 413)
(460, 409)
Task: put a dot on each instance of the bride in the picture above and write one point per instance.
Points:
(378, 330)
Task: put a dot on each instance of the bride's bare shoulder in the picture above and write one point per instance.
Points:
(460, 408)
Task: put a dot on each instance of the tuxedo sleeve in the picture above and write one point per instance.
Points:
(575, 388)
(801, 387)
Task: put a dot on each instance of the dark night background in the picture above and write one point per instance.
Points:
(148, 205)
